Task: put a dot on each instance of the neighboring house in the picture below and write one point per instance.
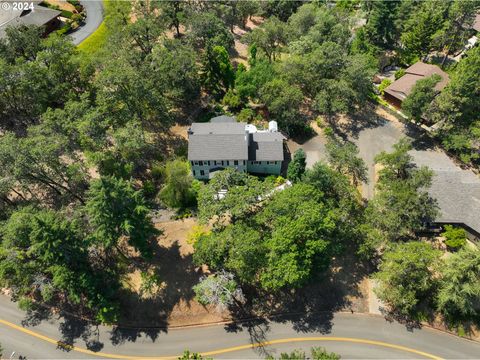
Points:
(398, 91)
(39, 16)
(224, 143)
(456, 190)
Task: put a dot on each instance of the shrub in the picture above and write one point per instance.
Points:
(383, 85)
(246, 115)
(67, 14)
(399, 73)
(456, 237)
(232, 100)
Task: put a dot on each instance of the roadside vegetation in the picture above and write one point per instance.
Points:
(88, 155)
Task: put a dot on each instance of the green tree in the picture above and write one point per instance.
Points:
(217, 73)
(320, 353)
(301, 226)
(117, 210)
(21, 42)
(460, 18)
(238, 248)
(282, 9)
(283, 102)
(270, 37)
(206, 29)
(248, 83)
(423, 93)
(296, 168)
(381, 29)
(420, 29)
(455, 110)
(175, 69)
(44, 256)
(344, 158)
(187, 355)
(38, 167)
(241, 192)
(174, 12)
(406, 276)
(177, 191)
(402, 204)
(459, 293)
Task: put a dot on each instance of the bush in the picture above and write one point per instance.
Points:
(399, 73)
(246, 115)
(456, 237)
(383, 85)
(67, 14)
(232, 100)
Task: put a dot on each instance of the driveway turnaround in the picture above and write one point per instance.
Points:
(94, 10)
(350, 335)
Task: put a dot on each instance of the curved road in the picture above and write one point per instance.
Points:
(94, 9)
(350, 335)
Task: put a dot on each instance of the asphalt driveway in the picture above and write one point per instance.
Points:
(94, 10)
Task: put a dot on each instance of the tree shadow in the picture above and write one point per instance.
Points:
(178, 275)
(309, 309)
(355, 123)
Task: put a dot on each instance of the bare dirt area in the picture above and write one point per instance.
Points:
(62, 5)
(343, 288)
(173, 304)
(240, 52)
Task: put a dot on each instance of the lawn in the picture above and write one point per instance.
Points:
(97, 40)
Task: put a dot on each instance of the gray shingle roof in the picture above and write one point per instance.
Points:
(457, 191)
(218, 147)
(266, 147)
(217, 128)
(223, 119)
(40, 15)
(217, 141)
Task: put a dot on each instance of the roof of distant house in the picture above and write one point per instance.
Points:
(402, 87)
(223, 119)
(266, 146)
(476, 22)
(40, 15)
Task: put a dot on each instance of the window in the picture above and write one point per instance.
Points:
(244, 162)
(194, 173)
(196, 162)
(208, 162)
(222, 162)
(235, 162)
(228, 162)
(200, 163)
(202, 173)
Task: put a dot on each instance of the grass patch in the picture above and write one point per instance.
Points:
(98, 39)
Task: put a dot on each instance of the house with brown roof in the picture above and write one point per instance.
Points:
(398, 91)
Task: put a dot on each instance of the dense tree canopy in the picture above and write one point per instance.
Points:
(401, 205)
(406, 276)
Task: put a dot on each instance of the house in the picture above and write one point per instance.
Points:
(456, 190)
(224, 143)
(14, 14)
(397, 91)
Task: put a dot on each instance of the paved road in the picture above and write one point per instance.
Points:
(350, 335)
(94, 18)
